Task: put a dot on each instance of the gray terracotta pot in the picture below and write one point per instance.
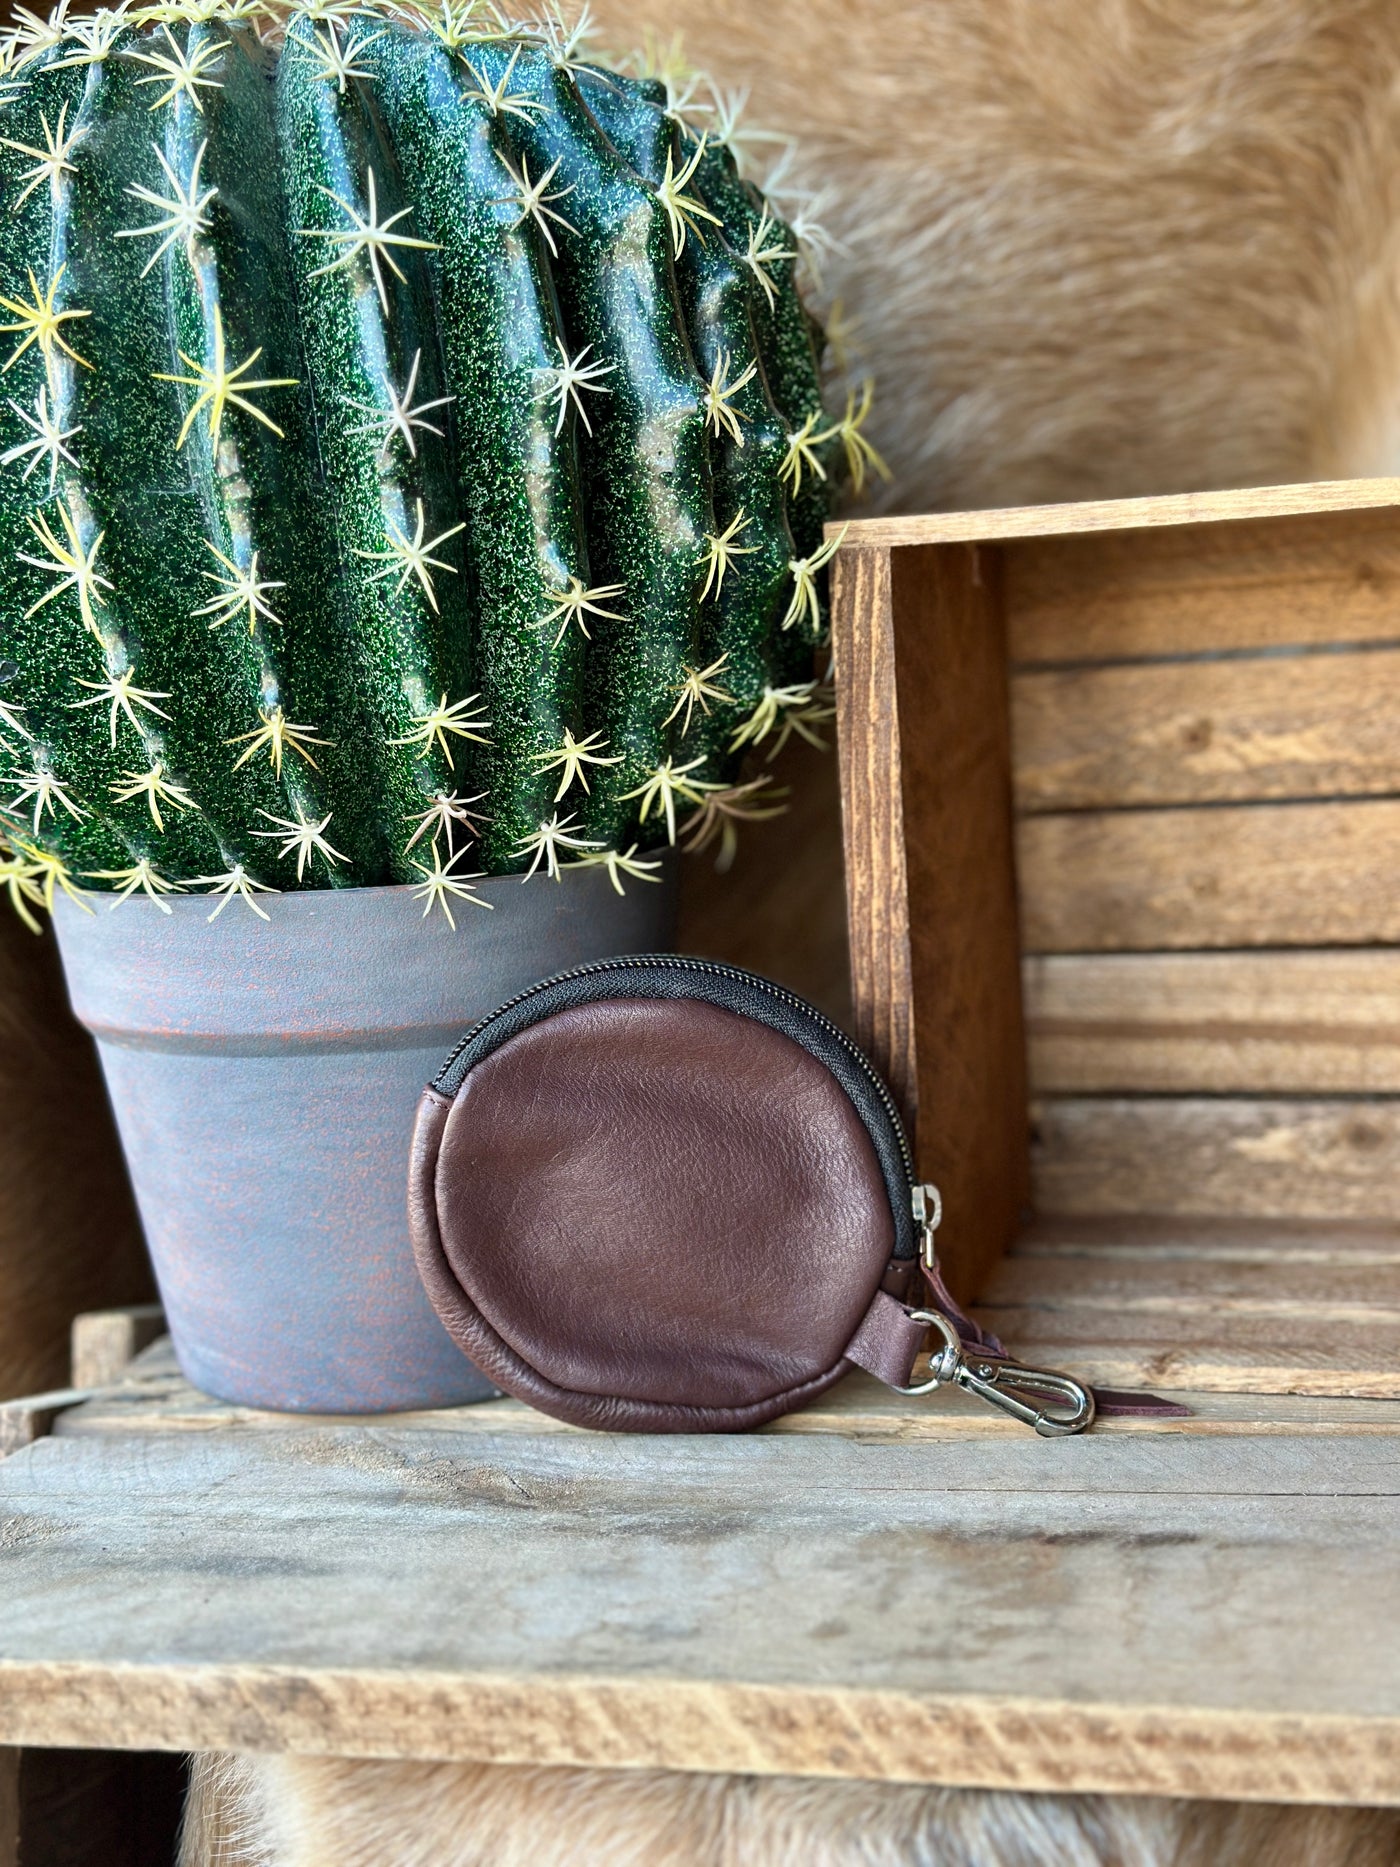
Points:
(265, 1077)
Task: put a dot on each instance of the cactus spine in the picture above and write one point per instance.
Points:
(412, 453)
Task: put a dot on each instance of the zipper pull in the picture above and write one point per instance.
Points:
(928, 1216)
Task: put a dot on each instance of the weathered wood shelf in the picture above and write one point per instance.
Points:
(877, 1587)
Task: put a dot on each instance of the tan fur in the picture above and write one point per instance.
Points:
(317, 1812)
(69, 1237)
(1098, 247)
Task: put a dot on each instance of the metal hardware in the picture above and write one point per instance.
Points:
(928, 1216)
(1002, 1383)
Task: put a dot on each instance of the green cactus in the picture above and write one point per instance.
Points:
(413, 450)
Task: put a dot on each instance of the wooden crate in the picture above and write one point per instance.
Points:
(879, 1587)
(1122, 817)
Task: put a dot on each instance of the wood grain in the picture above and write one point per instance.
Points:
(1270, 1023)
(921, 685)
(1150, 1239)
(1300, 726)
(872, 818)
(1117, 515)
(1214, 1157)
(156, 1399)
(1164, 1352)
(106, 1341)
(32, 1417)
(1275, 875)
(1327, 576)
(1210, 1294)
(727, 1604)
(1233, 1305)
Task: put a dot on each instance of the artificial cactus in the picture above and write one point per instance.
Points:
(413, 452)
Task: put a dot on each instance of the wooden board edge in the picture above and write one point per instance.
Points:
(999, 524)
(662, 1723)
(105, 1342)
(872, 818)
(24, 1421)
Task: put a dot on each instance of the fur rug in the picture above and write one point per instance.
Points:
(1096, 247)
(317, 1812)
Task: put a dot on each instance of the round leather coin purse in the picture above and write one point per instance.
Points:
(665, 1195)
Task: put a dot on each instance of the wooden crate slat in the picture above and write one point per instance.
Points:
(157, 1400)
(1291, 1022)
(1205, 1304)
(1156, 1350)
(1233, 506)
(1210, 1295)
(702, 1578)
(1233, 1240)
(1311, 726)
(1267, 875)
(923, 736)
(1204, 589)
(1322, 1160)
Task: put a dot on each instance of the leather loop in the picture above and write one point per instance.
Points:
(888, 1341)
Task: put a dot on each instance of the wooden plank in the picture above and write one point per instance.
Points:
(1308, 1023)
(1271, 875)
(1296, 726)
(24, 1421)
(1207, 1157)
(872, 817)
(1204, 589)
(160, 1401)
(106, 1341)
(922, 723)
(1163, 1351)
(1329, 1298)
(1117, 515)
(1268, 1308)
(605, 1601)
(1144, 1237)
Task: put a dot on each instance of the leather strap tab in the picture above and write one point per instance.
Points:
(888, 1341)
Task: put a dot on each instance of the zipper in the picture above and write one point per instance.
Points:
(677, 962)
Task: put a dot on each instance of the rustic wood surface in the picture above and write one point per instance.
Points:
(1268, 875)
(932, 907)
(1267, 1306)
(483, 1583)
(1217, 1157)
(160, 1400)
(104, 1343)
(1313, 577)
(872, 818)
(1068, 1612)
(1296, 1023)
(1290, 727)
(1119, 515)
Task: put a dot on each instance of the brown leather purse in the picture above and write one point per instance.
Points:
(665, 1195)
